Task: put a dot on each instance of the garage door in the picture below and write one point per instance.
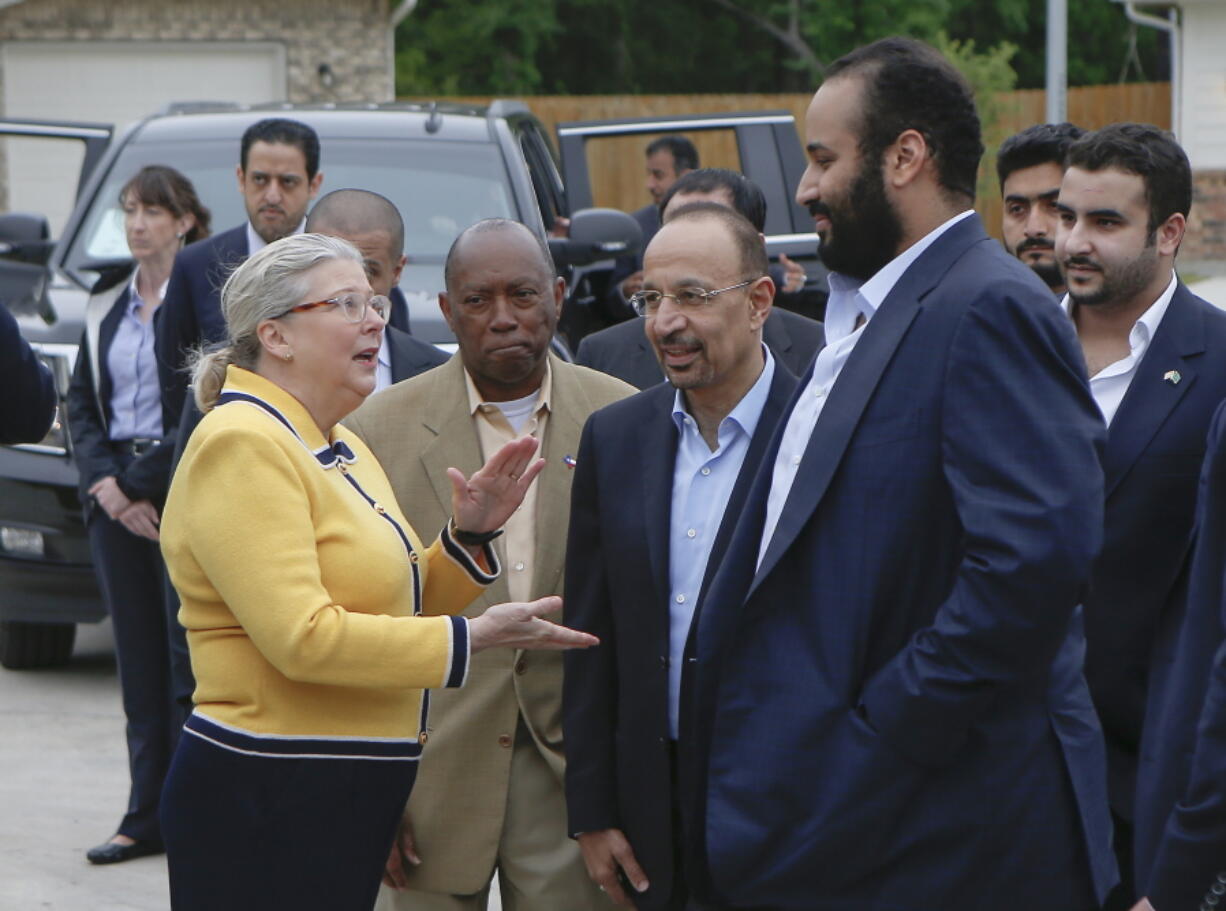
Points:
(119, 83)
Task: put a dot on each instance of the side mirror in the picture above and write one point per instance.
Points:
(596, 234)
(25, 238)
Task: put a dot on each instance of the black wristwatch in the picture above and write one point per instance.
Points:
(471, 538)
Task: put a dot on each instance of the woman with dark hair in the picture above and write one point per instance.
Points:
(115, 419)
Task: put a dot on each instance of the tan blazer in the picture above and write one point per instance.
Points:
(418, 429)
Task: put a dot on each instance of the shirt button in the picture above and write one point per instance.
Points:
(690, 533)
(519, 567)
(504, 740)
(680, 599)
(795, 460)
(706, 471)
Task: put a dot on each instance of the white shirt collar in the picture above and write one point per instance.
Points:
(1142, 332)
(134, 298)
(255, 243)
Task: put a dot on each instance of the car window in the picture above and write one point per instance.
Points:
(616, 164)
(440, 187)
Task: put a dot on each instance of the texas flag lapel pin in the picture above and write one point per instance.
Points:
(1172, 377)
(569, 461)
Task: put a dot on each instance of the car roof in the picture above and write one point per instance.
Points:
(393, 120)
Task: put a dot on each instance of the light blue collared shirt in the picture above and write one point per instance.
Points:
(136, 397)
(702, 483)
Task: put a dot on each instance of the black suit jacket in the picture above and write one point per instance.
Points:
(624, 352)
(1155, 446)
(1181, 802)
(409, 356)
(27, 406)
(615, 696)
(89, 403)
(191, 311)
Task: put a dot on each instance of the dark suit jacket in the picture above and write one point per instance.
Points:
(146, 477)
(615, 696)
(624, 352)
(1155, 446)
(27, 406)
(1180, 826)
(409, 356)
(191, 311)
(398, 318)
(892, 705)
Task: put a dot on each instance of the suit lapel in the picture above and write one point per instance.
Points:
(657, 445)
(776, 337)
(1151, 397)
(569, 411)
(858, 381)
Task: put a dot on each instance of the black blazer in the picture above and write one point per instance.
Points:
(89, 403)
(624, 352)
(27, 406)
(410, 356)
(1181, 796)
(191, 311)
(615, 696)
(1155, 446)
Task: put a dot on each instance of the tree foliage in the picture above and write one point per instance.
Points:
(594, 47)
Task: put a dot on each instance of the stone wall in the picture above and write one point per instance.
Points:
(350, 36)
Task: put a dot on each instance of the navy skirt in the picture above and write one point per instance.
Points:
(258, 822)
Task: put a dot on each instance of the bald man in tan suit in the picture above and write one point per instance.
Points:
(489, 793)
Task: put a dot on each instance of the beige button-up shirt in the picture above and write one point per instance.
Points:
(518, 545)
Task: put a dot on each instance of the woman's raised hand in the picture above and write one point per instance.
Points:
(485, 501)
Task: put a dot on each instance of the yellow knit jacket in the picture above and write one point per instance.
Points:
(301, 581)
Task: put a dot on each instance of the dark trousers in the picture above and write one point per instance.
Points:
(251, 832)
(182, 680)
(129, 570)
(1123, 896)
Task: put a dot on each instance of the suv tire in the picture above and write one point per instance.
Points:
(29, 645)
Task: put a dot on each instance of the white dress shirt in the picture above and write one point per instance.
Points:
(1110, 384)
(848, 302)
(383, 367)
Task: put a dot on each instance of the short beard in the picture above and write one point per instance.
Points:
(865, 230)
(1050, 274)
(1121, 285)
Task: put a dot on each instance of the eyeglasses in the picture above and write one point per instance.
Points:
(691, 299)
(353, 306)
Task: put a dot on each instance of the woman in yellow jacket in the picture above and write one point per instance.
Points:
(316, 618)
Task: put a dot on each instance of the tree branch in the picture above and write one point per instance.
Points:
(789, 38)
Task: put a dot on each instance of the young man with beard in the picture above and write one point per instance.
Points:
(888, 690)
(1156, 355)
(489, 794)
(1030, 165)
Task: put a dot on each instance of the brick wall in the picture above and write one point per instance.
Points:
(351, 36)
(1205, 243)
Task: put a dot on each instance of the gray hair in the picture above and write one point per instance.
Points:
(266, 286)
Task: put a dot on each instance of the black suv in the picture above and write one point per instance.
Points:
(444, 166)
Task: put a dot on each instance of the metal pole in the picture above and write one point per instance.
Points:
(1057, 61)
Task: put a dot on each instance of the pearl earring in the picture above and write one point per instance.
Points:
(289, 355)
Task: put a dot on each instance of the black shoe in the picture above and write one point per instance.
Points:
(112, 852)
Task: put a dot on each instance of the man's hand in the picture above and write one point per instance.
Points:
(794, 276)
(403, 848)
(1143, 905)
(141, 518)
(107, 494)
(609, 859)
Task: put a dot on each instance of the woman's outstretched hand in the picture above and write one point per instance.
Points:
(515, 624)
(485, 501)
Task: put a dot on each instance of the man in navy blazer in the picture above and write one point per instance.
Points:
(278, 175)
(659, 481)
(28, 407)
(1181, 800)
(1156, 355)
(624, 351)
(888, 692)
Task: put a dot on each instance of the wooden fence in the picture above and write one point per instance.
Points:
(616, 165)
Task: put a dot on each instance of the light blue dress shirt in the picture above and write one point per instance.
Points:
(702, 483)
(136, 397)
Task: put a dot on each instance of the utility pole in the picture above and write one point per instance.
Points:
(1057, 61)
